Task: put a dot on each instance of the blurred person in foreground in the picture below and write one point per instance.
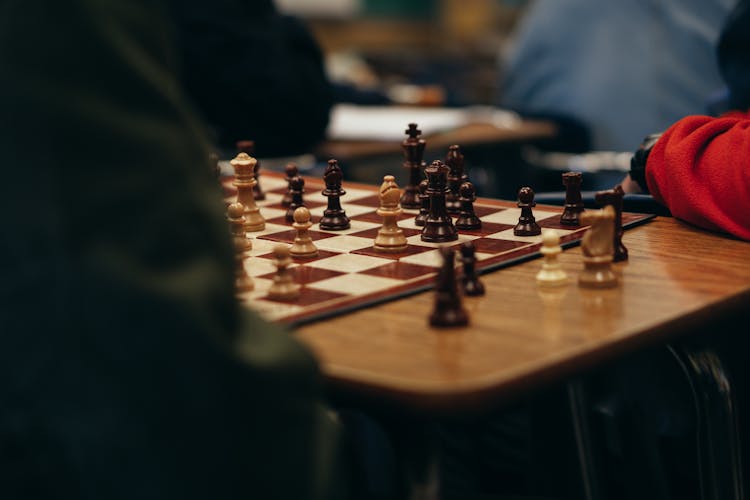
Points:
(127, 367)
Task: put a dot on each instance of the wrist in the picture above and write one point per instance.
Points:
(639, 160)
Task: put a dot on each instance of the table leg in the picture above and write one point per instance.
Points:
(579, 405)
(718, 429)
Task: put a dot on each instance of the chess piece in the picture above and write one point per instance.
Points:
(413, 147)
(573, 201)
(213, 160)
(334, 217)
(438, 227)
(248, 147)
(283, 286)
(244, 181)
(390, 237)
(448, 310)
(467, 219)
(456, 177)
(242, 246)
(470, 280)
(613, 197)
(291, 172)
(551, 273)
(424, 203)
(597, 249)
(296, 192)
(236, 219)
(303, 246)
(527, 225)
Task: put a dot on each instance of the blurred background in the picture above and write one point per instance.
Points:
(449, 47)
(558, 86)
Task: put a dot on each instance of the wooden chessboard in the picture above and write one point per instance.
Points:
(349, 274)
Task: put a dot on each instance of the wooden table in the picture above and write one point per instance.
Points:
(521, 336)
(677, 279)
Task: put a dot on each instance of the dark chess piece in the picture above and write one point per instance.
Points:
(573, 201)
(213, 160)
(470, 280)
(296, 190)
(467, 219)
(438, 227)
(527, 225)
(291, 172)
(614, 198)
(413, 147)
(334, 217)
(248, 147)
(456, 176)
(424, 204)
(257, 189)
(448, 310)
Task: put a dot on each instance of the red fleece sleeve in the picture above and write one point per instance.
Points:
(700, 170)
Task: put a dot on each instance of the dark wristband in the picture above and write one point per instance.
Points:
(639, 159)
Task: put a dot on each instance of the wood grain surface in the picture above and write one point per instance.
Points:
(521, 335)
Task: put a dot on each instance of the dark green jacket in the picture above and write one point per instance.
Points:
(127, 370)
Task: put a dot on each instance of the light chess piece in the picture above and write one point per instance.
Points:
(242, 246)
(244, 181)
(390, 237)
(597, 246)
(303, 246)
(551, 273)
(236, 219)
(283, 286)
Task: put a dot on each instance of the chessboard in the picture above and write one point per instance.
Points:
(349, 274)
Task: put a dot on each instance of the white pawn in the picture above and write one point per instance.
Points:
(283, 287)
(236, 218)
(303, 245)
(390, 237)
(242, 246)
(551, 273)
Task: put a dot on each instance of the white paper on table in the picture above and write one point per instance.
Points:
(388, 123)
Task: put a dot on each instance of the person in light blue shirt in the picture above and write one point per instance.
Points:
(620, 69)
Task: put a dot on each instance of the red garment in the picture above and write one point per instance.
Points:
(700, 170)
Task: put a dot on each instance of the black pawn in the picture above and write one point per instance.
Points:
(291, 172)
(467, 219)
(297, 189)
(448, 310)
(470, 281)
(573, 200)
(527, 225)
(424, 204)
(334, 217)
(438, 227)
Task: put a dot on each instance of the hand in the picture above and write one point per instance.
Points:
(630, 186)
